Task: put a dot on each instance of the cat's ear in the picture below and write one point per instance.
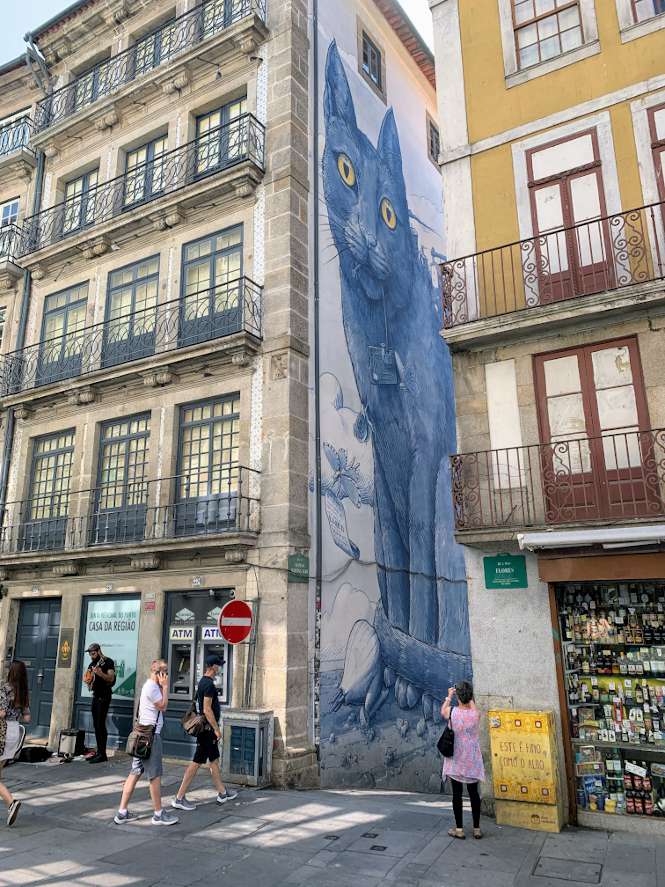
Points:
(337, 97)
(389, 148)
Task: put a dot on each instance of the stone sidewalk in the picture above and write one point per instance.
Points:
(65, 836)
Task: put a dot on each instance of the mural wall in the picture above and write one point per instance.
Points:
(394, 624)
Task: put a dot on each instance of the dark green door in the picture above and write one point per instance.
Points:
(37, 646)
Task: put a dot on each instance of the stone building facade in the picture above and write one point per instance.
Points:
(156, 368)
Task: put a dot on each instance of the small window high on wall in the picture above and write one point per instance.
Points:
(657, 128)
(545, 29)
(371, 60)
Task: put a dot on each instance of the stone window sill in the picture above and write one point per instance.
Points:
(555, 64)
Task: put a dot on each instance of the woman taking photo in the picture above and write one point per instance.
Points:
(465, 767)
(14, 708)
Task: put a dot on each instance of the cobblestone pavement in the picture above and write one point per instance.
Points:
(65, 836)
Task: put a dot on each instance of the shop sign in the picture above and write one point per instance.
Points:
(213, 615)
(65, 648)
(505, 571)
(523, 756)
(298, 565)
(114, 625)
(178, 633)
(184, 615)
(149, 602)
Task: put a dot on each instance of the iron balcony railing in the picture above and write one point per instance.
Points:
(240, 140)
(15, 135)
(195, 318)
(221, 500)
(9, 241)
(595, 256)
(614, 477)
(148, 53)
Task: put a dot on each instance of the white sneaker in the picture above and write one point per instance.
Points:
(183, 804)
(164, 818)
(228, 795)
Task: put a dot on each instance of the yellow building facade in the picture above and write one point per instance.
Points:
(553, 162)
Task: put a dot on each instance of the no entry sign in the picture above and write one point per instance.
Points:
(235, 621)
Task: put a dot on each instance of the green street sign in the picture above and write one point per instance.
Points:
(505, 571)
(298, 568)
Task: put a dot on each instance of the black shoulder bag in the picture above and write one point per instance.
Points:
(446, 743)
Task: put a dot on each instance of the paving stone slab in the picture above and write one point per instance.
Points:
(568, 870)
(360, 864)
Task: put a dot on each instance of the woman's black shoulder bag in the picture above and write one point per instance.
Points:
(446, 743)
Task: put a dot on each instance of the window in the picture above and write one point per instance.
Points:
(219, 14)
(122, 488)
(207, 481)
(592, 409)
(92, 84)
(44, 522)
(657, 129)
(80, 198)
(372, 61)
(545, 29)
(144, 176)
(8, 217)
(217, 142)
(63, 334)
(3, 318)
(9, 212)
(646, 9)
(211, 287)
(566, 191)
(433, 141)
(131, 309)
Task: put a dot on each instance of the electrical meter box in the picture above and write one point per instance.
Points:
(247, 738)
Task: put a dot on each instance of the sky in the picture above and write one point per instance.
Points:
(20, 16)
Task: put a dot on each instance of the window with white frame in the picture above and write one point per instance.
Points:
(545, 29)
(9, 212)
(643, 10)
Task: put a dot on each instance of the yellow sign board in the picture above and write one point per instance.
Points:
(537, 817)
(523, 756)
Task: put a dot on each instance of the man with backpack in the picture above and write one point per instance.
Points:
(100, 678)
(207, 748)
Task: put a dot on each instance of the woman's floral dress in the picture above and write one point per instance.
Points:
(466, 764)
(11, 712)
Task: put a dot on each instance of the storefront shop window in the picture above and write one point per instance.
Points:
(613, 646)
(113, 623)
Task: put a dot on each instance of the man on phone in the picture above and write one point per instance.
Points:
(100, 678)
(152, 705)
(207, 742)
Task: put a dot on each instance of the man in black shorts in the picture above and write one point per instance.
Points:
(207, 748)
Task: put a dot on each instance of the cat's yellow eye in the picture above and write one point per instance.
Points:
(388, 214)
(346, 170)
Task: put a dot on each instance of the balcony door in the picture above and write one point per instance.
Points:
(220, 14)
(8, 218)
(121, 495)
(220, 142)
(131, 313)
(573, 251)
(80, 199)
(45, 513)
(63, 334)
(207, 481)
(211, 304)
(144, 175)
(598, 459)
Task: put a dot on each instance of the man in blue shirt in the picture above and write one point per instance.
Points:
(207, 742)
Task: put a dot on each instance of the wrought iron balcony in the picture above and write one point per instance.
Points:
(148, 53)
(596, 256)
(222, 500)
(195, 318)
(617, 477)
(9, 241)
(15, 135)
(236, 142)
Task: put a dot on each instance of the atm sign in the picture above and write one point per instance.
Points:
(177, 633)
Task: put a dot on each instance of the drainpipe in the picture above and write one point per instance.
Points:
(318, 568)
(32, 55)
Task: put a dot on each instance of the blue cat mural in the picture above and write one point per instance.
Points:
(417, 644)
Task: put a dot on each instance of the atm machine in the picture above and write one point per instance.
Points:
(211, 642)
(181, 661)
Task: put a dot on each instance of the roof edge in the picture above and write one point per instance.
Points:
(410, 36)
(57, 19)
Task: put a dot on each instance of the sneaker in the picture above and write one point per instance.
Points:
(121, 818)
(228, 795)
(12, 812)
(183, 804)
(97, 759)
(164, 818)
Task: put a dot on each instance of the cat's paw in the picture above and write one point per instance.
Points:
(407, 695)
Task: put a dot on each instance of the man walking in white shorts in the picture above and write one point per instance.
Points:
(154, 699)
